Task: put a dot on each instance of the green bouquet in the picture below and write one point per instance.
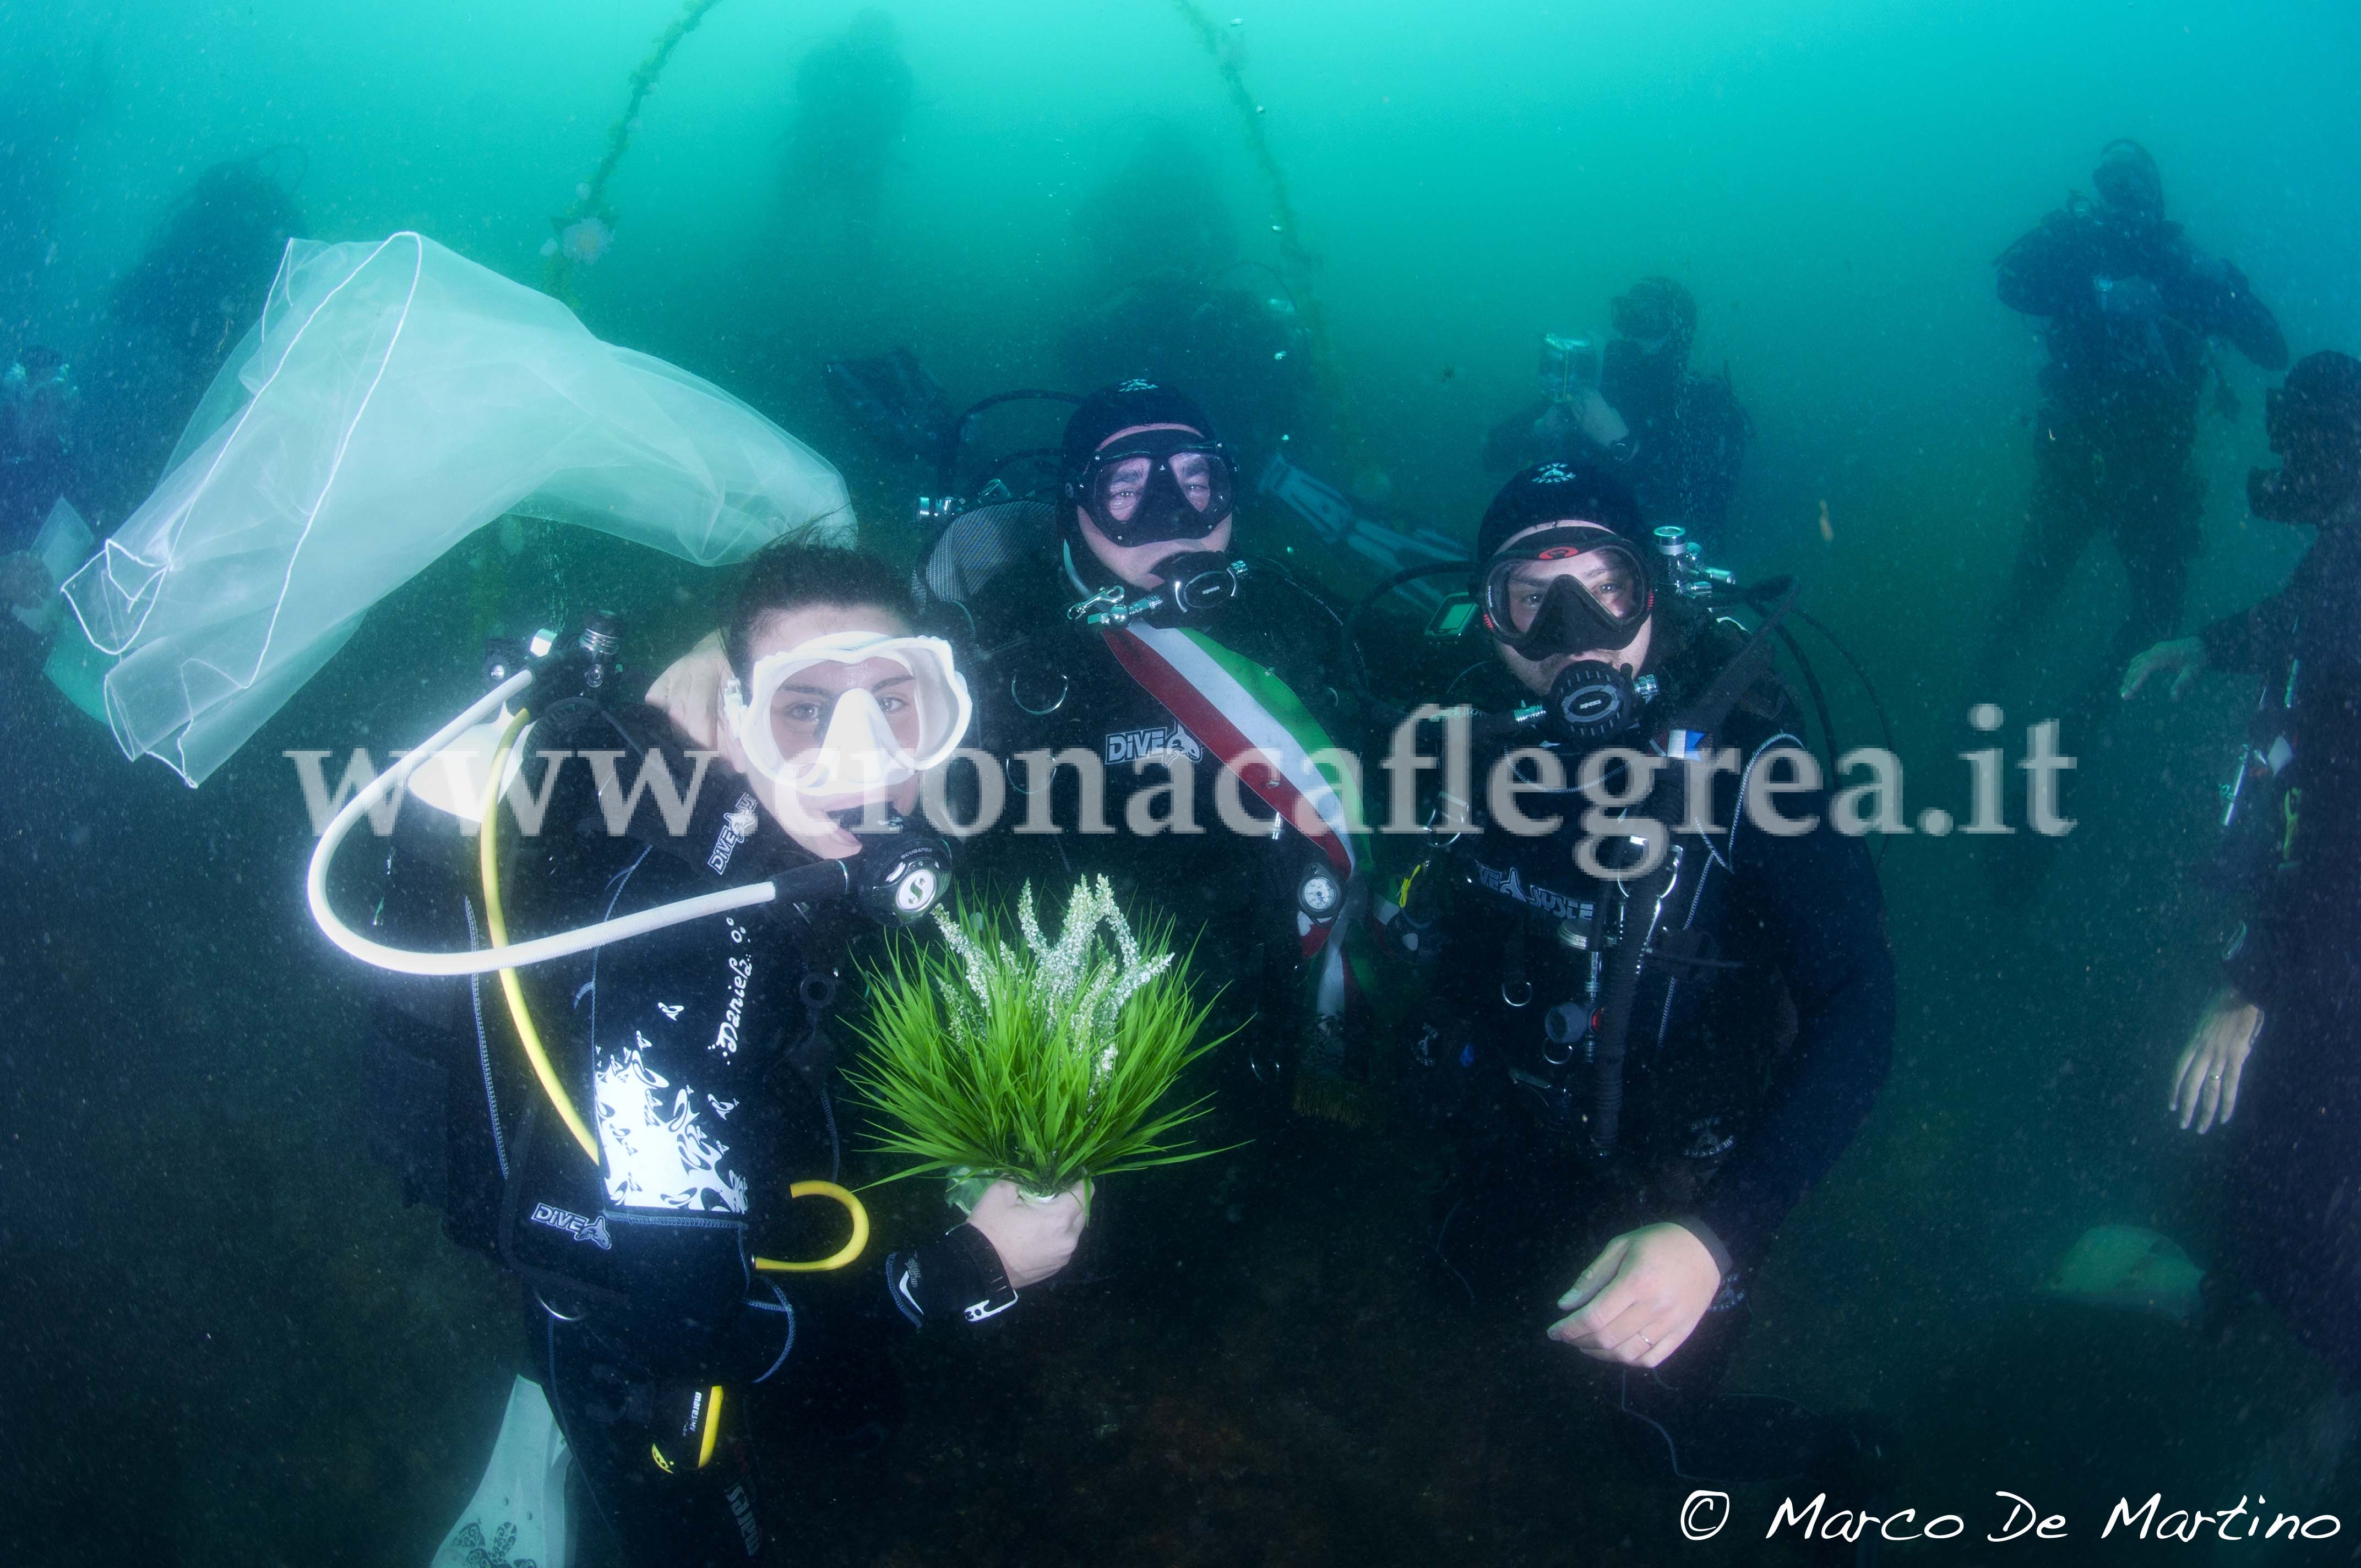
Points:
(1043, 1063)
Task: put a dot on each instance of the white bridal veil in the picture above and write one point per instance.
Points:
(394, 398)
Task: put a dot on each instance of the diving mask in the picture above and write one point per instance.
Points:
(1156, 486)
(2316, 434)
(1573, 589)
(839, 721)
(1654, 314)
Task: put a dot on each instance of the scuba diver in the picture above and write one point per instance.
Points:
(2274, 1044)
(2130, 312)
(688, 1075)
(1122, 646)
(1674, 438)
(852, 99)
(1645, 1067)
(1171, 310)
(176, 318)
(43, 540)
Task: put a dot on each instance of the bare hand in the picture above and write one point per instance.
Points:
(1641, 1298)
(2206, 1077)
(1555, 425)
(2184, 656)
(1034, 1240)
(689, 691)
(1599, 419)
(25, 582)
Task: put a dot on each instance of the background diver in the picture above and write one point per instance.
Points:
(1676, 439)
(1171, 302)
(178, 316)
(2273, 1047)
(853, 100)
(2130, 310)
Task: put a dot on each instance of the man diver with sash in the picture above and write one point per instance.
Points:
(1203, 687)
(1648, 1041)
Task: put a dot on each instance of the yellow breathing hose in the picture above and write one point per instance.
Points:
(496, 929)
(844, 1255)
(712, 1428)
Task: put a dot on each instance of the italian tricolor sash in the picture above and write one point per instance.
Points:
(1262, 733)
(1258, 728)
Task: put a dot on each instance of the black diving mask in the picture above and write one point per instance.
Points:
(2319, 472)
(1572, 589)
(1644, 317)
(1159, 486)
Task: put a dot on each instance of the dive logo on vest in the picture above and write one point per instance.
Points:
(1135, 745)
(574, 1225)
(1509, 885)
(738, 825)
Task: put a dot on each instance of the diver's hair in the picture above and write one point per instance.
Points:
(790, 575)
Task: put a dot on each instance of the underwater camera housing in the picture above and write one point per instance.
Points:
(1569, 366)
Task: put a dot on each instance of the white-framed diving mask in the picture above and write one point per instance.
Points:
(833, 744)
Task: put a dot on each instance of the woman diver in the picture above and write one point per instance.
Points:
(703, 1055)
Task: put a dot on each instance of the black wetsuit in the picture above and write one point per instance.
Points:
(1758, 1041)
(1044, 682)
(701, 1057)
(1689, 437)
(2128, 315)
(2294, 1230)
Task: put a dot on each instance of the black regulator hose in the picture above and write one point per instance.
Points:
(1876, 703)
(1407, 575)
(1820, 697)
(955, 438)
(1619, 999)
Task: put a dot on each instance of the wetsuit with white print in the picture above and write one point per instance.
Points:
(701, 1057)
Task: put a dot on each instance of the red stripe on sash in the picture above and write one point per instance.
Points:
(1201, 718)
